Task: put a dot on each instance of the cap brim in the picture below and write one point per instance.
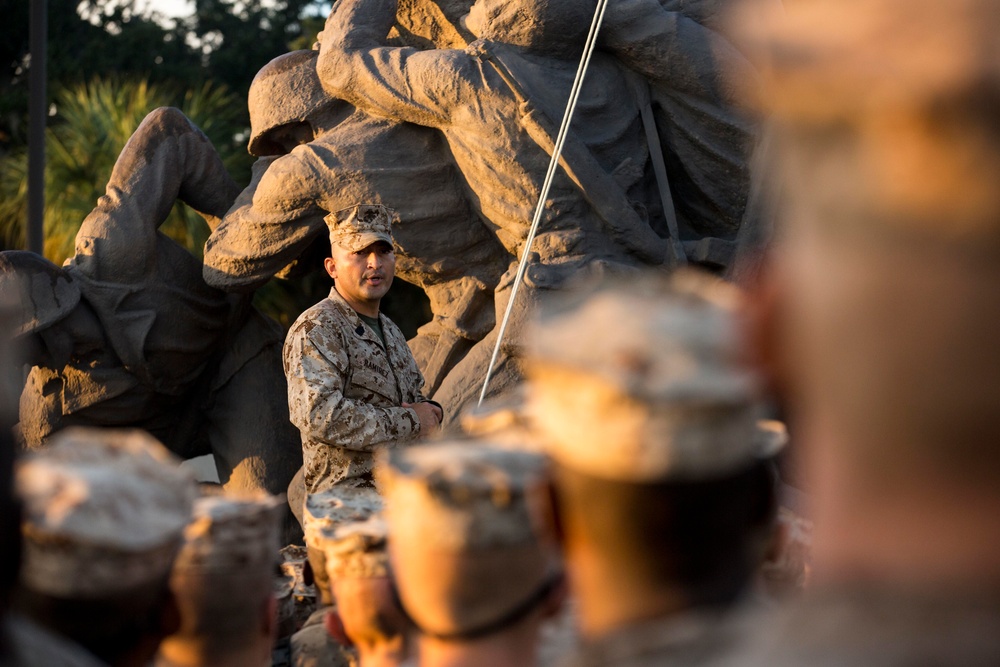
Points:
(355, 242)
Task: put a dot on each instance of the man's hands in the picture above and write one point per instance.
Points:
(429, 415)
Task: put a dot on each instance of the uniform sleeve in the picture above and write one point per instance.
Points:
(272, 222)
(316, 367)
(421, 87)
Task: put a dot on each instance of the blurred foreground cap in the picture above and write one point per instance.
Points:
(884, 110)
(462, 495)
(469, 544)
(640, 380)
(358, 227)
(104, 512)
(326, 510)
(231, 532)
(356, 549)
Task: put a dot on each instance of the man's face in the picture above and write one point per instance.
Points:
(364, 276)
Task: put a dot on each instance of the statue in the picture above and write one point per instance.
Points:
(348, 156)
(497, 104)
(455, 133)
(127, 333)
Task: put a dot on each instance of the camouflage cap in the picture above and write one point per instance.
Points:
(356, 549)
(640, 380)
(884, 112)
(357, 227)
(233, 531)
(324, 511)
(104, 512)
(502, 421)
(469, 542)
(462, 495)
(34, 292)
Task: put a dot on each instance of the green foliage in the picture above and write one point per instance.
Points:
(94, 122)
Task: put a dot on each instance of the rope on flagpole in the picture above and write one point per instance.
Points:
(574, 95)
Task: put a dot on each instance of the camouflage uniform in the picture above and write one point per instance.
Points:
(695, 638)
(32, 645)
(312, 646)
(876, 625)
(345, 392)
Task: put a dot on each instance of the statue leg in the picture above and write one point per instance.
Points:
(253, 443)
(166, 158)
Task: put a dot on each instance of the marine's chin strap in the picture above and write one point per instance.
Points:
(509, 618)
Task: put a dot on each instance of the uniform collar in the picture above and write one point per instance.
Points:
(361, 330)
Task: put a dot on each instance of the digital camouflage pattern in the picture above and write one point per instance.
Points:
(32, 645)
(359, 226)
(345, 392)
(694, 639)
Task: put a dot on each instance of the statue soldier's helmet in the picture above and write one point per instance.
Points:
(286, 91)
(34, 292)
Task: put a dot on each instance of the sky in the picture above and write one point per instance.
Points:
(173, 8)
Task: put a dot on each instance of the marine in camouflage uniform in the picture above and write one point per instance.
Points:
(658, 422)
(884, 300)
(347, 384)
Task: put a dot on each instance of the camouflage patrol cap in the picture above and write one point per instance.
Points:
(357, 227)
(461, 495)
(356, 549)
(640, 380)
(884, 114)
(104, 512)
(324, 511)
(468, 539)
(34, 292)
(232, 531)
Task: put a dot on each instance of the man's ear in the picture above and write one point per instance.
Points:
(556, 599)
(269, 621)
(169, 616)
(335, 628)
(760, 326)
(550, 516)
(330, 264)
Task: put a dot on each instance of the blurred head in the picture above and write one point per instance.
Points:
(885, 280)
(367, 616)
(104, 513)
(469, 554)
(352, 538)
(658, 422)
(222, 581)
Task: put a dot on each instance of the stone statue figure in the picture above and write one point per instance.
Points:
(348, 156)
(498, 103)
(128, 334)
(446, 110)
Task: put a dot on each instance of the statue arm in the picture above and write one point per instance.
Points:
(402, 83)
(166, 158)
(271, 223)
(316, 366)
(672, 50)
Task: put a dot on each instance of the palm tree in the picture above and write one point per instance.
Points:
(92, 124)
